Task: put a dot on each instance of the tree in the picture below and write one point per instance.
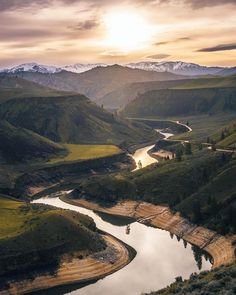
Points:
(197, 213)
(213, 147)
(188, 148)
(197, 253)
(222, 137)
(140, 164)
(179, 155)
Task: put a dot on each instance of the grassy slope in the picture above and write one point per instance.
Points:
(19, 144)
(86, 151)
(125, 94)
(182, 102)
(209, 82)
(41, 234)
(72, 119)
(211, 127)
(221, 280)
(180, 185)
(204, 126)
(226, 135)
(12, 87)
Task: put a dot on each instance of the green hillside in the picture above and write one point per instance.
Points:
(203, 181)
(182, 102)
(127, 93)
(18, 145)
(221, 280)
(209, 82)
(33, 236)
(16, 87)
(72, 119)
(226, 135)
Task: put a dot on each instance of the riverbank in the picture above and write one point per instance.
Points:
(219, 247)
(76, 270)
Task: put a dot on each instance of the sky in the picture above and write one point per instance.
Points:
(62, 32)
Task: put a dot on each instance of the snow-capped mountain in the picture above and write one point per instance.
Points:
(176, 67)
(32, 67)
(80, 68)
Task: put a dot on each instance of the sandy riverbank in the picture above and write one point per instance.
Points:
(94, 267)
(219, 247)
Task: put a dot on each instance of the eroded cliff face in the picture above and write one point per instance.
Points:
(219, 247)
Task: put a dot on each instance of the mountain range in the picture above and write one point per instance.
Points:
(96, 82)
(176, 67)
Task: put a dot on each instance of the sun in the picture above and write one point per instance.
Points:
(127, 31)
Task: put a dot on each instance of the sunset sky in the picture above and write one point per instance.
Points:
(63, 32)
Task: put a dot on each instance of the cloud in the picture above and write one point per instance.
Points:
(173, 41)
(200, 3)
(85, 25)
(158, 56)
(221, 47)
(208, 3)
(6, 5)
(24, 34)
(114, 54)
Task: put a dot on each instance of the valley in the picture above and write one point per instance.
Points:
(92, 198)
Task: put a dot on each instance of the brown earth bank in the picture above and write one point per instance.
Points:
(37, 180)
(219, 247)
(76, 270)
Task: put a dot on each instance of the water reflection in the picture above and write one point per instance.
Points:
(142, 158)
(159, 258)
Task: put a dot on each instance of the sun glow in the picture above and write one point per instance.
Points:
(127, 31)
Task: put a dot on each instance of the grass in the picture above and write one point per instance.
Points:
(204, 126)
(208, 82)
(86, 151)
(229, 141)
(15, 216)
(11, 87)
(21, 145)
(201, 187)
(221, 280)
(33, 235)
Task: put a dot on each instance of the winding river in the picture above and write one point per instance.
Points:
(160, 257)
(141, 155)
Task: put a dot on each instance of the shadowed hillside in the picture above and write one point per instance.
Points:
(127, 93)
(18, 144)
(16, 87)
(73, 119)
(182, 102)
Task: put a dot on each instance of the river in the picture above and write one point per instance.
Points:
(159, 259)
(141, 156)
